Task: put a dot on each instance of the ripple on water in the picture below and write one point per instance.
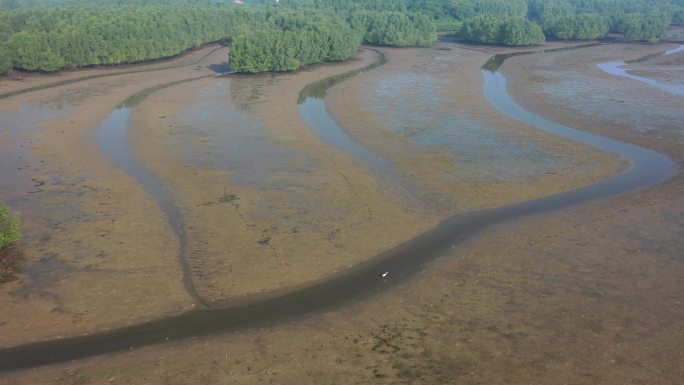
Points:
(412, 106)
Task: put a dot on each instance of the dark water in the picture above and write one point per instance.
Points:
(361, 281)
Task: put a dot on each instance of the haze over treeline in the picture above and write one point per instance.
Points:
(269, 35)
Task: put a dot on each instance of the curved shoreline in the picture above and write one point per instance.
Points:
(616, 69)
(314, 113)
(90, 77)
(113, 141)
(352, 285)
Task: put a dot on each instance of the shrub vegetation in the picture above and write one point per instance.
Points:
(9, 227)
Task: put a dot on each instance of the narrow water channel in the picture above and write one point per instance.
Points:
(112, 137)
(361, 281)
(313, 111)
(617, 68)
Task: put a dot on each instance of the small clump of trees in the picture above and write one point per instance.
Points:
(511, 31)
(291, 43)
(394, 28)
(650, 27)
(584, 26)
(9, 227)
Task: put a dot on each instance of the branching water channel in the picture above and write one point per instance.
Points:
(616, 68)
(361, 281)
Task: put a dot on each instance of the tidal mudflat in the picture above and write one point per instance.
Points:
(88, 227)
(426, 112)
(557, 298)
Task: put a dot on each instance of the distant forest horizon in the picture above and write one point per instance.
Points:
(284, 35)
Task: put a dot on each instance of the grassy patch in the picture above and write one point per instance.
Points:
(9, 235)
(9, 227)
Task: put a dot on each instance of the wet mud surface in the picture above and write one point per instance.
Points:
(426, 113)
(267, 204)
(589, 295)
(85, 223)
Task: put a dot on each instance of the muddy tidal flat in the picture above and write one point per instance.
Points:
(217, 191)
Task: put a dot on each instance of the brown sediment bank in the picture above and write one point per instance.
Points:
(569, 297)
(21, 82)
(667, 68)
(610, 105)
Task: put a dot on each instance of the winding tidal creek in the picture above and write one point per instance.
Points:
(361, 281)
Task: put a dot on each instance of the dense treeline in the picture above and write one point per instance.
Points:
(587, 19)
(512, 31)
(48, 39)
(17, 4)
(77, 33)
(304, 36)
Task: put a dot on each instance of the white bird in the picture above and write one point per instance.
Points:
(383, 275)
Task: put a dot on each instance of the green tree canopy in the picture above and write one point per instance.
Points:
(514, 31)
(651, 27)
(583, 26)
